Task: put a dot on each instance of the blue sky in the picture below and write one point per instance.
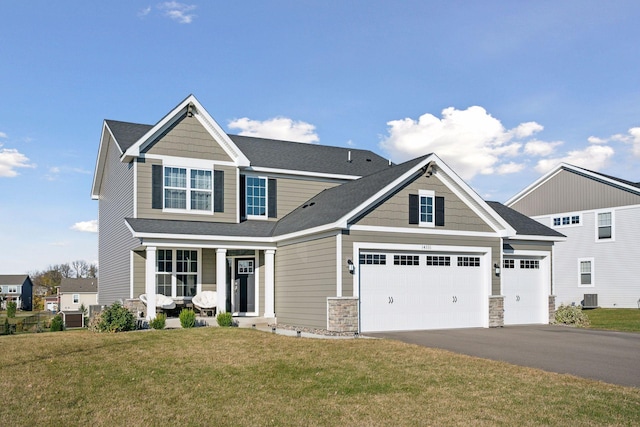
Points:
(500, 90)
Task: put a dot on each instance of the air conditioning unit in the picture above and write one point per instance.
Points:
(590, 301)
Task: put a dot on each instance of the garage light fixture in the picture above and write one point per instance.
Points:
(497, 268)
(352, 268)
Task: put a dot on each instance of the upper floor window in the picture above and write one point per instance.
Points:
(188, 189)
(256, 196)
(560, 221)
(605, 225)
(13, 289)
(427, 213)
(76, 298)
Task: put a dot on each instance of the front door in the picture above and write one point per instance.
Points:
(244, 289)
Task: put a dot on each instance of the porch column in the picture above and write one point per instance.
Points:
(150, 282)
(221, 279)
(269, 282)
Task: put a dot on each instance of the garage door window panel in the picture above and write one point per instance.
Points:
(406, 260)
(373, 259)
(468, 261)
(438, 260)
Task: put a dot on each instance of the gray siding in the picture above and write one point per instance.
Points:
(305, 276)
(394, 212)
(144, 197)
(292, 192)
(114, 238)
(530, 246)
(208, 270)
(568, 191)
(139, 272)
(401, 238)
(188, 138)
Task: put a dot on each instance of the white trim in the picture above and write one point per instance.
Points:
(174, 271)
(135, 189)
(186, 162)
(303, 173)
(545, 264)
(429, 194)
(131, 274)
(199, 244)
(264, 217)
(269, 283)
(569, 215)
(339, 265)
(101, 158)
(593, 272)
(431, 231)
(150, 282)
(221, 279)
(188, 189)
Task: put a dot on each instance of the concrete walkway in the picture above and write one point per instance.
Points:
(612, 357)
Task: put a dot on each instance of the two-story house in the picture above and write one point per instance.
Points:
(77, 292)
(308, 235)
(17, 288)
(600, 215)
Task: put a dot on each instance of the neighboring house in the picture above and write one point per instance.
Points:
(600, 215)
(52, 302)
(77, 292)
(309, 235)
(18, 288)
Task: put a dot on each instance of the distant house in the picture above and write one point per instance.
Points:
(18, 288)
(600, 215)
(76, 292)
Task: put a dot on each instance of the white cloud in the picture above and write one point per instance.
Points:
(541, 148)
(178, 11)
(3, 135)
(471, 141)
(86, 226)
(510, 167)
(594, 157)
(10, 160)
(277, 128)
(144, 12)
(631, 137)
(635, 134)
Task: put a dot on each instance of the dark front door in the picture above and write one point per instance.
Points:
(244, 286)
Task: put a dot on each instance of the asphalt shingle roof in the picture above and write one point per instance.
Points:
(523, 225)
(13, 279)
(164, 226)
(81, 285)
(126, 134)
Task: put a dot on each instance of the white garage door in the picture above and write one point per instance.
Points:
(413, 291)
(525, 290)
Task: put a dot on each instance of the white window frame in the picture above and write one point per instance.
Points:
(592, 272)
(188, 189)
(12, 289)
(76, 298)
(570, 217)
(427, 194)
(597, 225)
(266, 197)
(174, 273)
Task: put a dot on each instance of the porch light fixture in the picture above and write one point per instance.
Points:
(497, 268)
(352, 267)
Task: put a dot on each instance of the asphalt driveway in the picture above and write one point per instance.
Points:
(612, 357)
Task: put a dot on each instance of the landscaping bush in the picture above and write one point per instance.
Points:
(225, 319)
(11, 309)
(572, 315)
(187, 318)
(114, 318)
(159, 322)
(7, 327)
(56, 324)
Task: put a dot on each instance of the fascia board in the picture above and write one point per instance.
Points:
(101, 159)
(544, 178)
(469, 192)
(599, 177)
(538, 238)
(304, 173)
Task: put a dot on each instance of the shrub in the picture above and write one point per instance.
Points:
(572, 315)
(7, 327)
(57, 324)
(187, 318)
(11, 309)
(159, 322)
(115, 318)
(225, 319)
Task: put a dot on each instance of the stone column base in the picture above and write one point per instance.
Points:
(552, 309)
(342, 314)
(496, 311)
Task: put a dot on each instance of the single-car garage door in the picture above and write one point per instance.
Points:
(525, 286)
(413, 291)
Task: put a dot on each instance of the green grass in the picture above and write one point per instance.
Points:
(231, 376)
(618, 319)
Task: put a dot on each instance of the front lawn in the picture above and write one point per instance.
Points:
(231, 376)
(618, 319)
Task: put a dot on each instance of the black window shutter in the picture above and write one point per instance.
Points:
(273, 198)
(156, 186)
(243, 198)
(440, 211)
(218, 191)
(414, 209)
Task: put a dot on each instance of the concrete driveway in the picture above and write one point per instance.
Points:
(612, 357)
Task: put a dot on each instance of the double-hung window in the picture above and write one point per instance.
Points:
(427, 205)
(76, 298)
(256, 201)
(177, 272)
(188, 189)
(605, 225)
(585, 271)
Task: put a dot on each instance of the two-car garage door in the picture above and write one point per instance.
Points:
(414, 291)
